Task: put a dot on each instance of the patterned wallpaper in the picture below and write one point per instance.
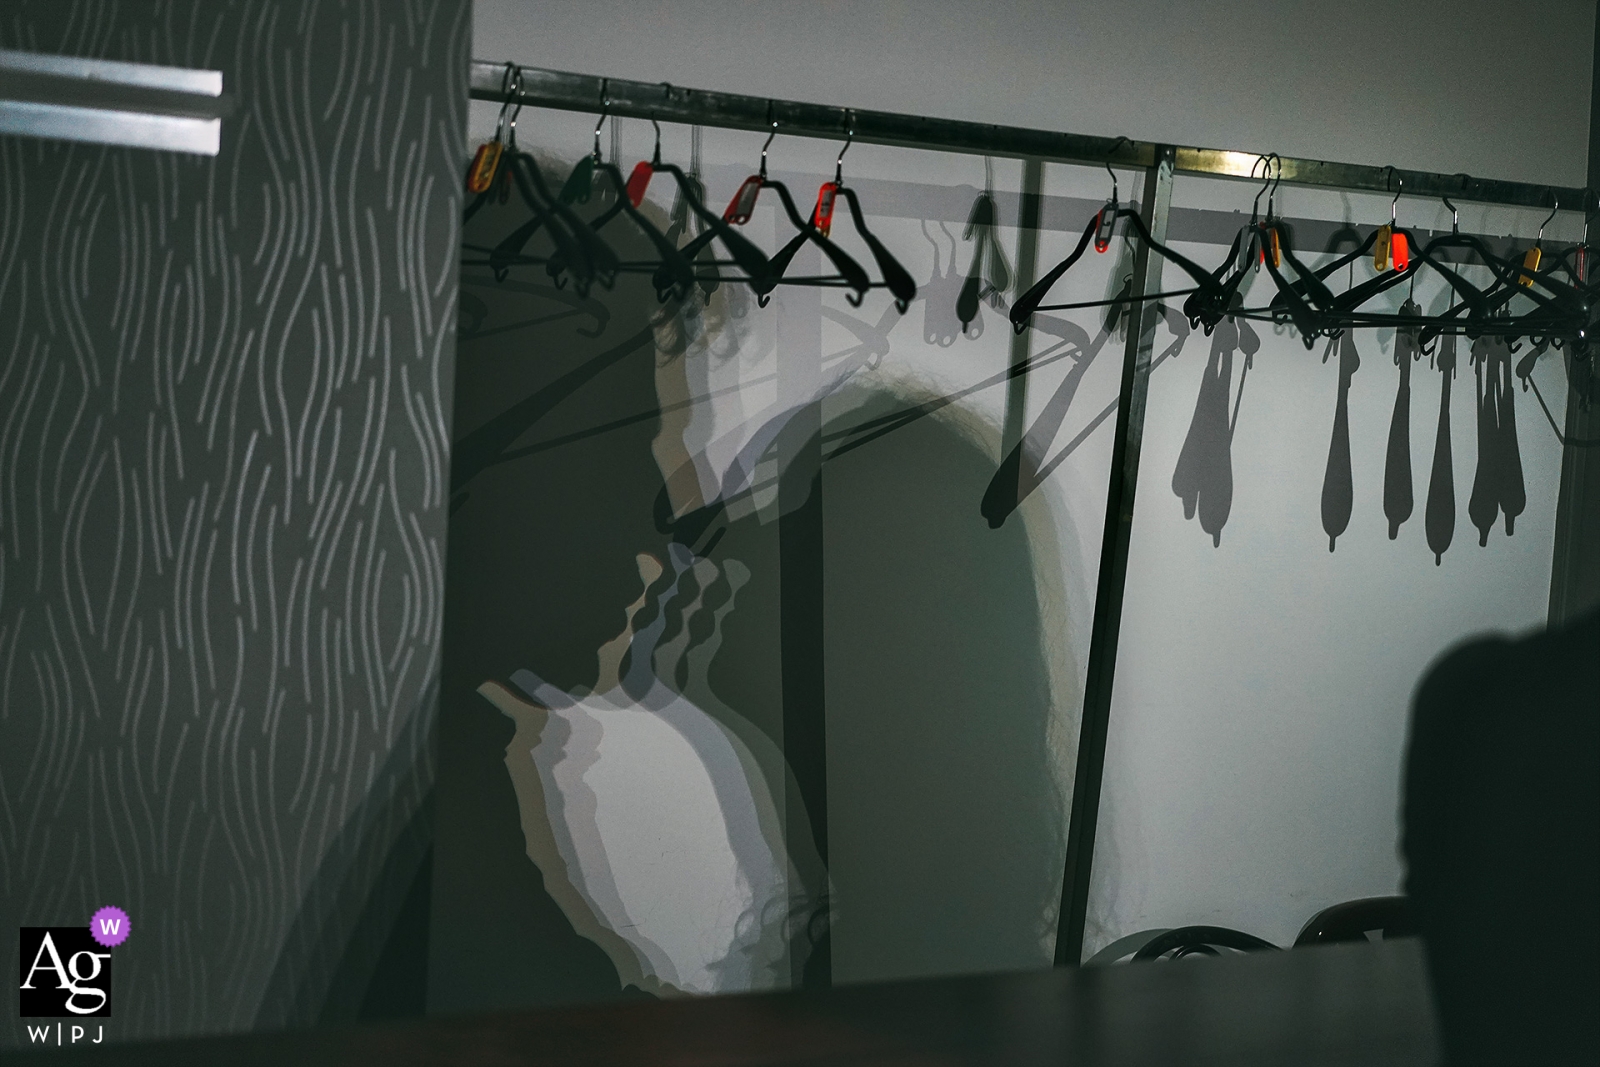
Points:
(224, 421)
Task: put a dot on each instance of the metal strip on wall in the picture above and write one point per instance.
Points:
(101, 101)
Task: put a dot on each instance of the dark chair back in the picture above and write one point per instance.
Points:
(1201, 941)
(1351, 921)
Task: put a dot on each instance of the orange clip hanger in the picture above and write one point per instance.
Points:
(822, 217)
(1530, 262)
(1104, 223)
(743, 204)
(1380, 249)
(1271, 247)
(480, 176)
(1399, 250)
(639, 181)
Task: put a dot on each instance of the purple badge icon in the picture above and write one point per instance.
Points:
(109, 926)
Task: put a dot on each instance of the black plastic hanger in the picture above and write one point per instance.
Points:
(596, 262)
(484, 170)
(1312, 306)
(576, 189)
(988, 276)
(746, 256)
(895, 277)
(1101, 227)
(1245, 253)
(589, 256)
(672, 274)
(743, 204)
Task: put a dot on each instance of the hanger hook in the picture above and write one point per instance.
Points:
(1118, 143)
(1277, 181)
(605, 109)
(849, 136)
(511, 89)
(1264, 162)
(516, 92)
(655, 155)
(1388, 182)
(772, 119)
(1455, 215)
(1556, 206)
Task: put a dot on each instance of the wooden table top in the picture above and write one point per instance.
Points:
(1338, 1004)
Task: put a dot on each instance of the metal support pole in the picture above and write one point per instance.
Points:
(1153, 209)
(1575, 561)
(1028, 208)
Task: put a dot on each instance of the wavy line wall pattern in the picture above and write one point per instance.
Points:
(224, 414)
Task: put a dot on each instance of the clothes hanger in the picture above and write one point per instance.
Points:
(1472, 313)
(743, 205)
(988, 276)
(1398, 254)
(1484, 305)
(895, 277)
(1100, 229)
(485, 165)
(1243, 254)
(586, 256)
(1528, 276)
(681, 219)
(673, 277)
(529, 183)
(1563, 297)
(1574, 262)
(575, 190)
(1305, 301)
(746, 255)
(672, 274)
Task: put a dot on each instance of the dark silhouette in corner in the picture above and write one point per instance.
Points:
(1502, 845)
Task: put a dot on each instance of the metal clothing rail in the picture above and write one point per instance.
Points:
(698, 107)
(616, 96)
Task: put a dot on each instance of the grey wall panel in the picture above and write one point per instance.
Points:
(224, 414)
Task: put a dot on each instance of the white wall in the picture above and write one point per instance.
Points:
(1493, 89)
(1263, 687)
(1262, 684)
